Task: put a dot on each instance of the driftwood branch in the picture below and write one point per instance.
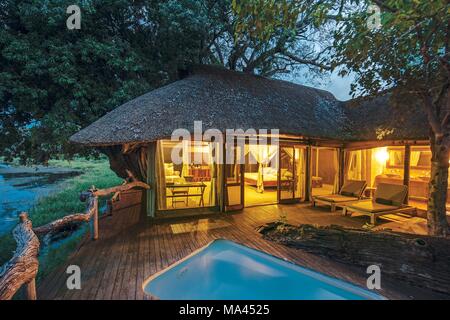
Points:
(23, 266)
(91, 213)
(422, 261)
(60, 224)
(121, 188)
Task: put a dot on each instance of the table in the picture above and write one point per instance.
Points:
(185, 193)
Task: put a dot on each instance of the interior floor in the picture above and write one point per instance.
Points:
(252, 197)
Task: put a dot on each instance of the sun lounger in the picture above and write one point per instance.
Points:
(388, 199)
(350, 192)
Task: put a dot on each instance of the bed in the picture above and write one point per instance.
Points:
(251, 178)
(270, 177)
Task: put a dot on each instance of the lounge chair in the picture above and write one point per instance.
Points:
(350, 192)
(388, 199)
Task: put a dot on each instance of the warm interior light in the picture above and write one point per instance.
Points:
(382, 155)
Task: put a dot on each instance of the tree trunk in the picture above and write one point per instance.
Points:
(421, 261)
(437, 197)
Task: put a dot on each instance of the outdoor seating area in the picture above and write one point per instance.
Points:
(350, 192)
(387, 199)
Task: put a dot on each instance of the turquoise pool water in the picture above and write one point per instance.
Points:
(225, 270)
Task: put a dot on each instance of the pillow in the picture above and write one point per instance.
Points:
(168, 169)
(269, 171)
(384, 201)
(288, 174)
(347, 194)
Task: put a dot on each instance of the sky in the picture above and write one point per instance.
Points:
(337, 85)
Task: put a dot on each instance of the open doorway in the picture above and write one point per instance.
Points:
(260, 174)
(325, 171)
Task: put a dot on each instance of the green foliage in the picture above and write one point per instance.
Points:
(396, 55)
(61, 204)
(55, 81)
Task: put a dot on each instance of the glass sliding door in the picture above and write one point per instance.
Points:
(185, 175)
(261, 174)
(234, 194)
(291, 177)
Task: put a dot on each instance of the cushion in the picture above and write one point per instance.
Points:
(370, 206)
(347, 194)
(394, 192)
(384, 201)
(336, 198)
(353, 187)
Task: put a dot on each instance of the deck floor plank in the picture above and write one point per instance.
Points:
(131, 248)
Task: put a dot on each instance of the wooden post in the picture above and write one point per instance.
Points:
(406, 169)
(222, 187)
(341, 167)
(151, 180)
(94, 219)
(31, 290)
(308, 173)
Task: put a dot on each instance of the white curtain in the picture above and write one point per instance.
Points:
(415, 156)
(263, 154)
(186, 144)
(299, 170)
(300, 190)
(213, 173)
(357, 166)
(160, 177)
(336, 171)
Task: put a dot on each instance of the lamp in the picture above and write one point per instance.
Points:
(382, 155)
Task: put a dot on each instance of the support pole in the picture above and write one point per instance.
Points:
(406, 169)
(151, 180)
(341, 167)
(308, 168)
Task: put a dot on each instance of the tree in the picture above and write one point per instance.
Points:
(55, 81)
(407, 54)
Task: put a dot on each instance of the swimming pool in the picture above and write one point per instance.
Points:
(225, 270)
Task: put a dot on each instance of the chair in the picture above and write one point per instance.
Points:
(180, 192)
(351, 191)
(388, 199)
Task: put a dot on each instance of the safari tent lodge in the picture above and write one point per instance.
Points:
(322, 143)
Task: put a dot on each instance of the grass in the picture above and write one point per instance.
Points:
(59, 204)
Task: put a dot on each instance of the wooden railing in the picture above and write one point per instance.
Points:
(23, 267)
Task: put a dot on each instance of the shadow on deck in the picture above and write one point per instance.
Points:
(131, 248)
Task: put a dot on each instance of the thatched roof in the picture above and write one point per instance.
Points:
(381, 118)
(224, 99)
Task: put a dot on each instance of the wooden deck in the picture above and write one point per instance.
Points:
(131, 248)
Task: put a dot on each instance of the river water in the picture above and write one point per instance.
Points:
(21, 187)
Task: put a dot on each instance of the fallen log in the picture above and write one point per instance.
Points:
(23, 266)
(423, 261)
